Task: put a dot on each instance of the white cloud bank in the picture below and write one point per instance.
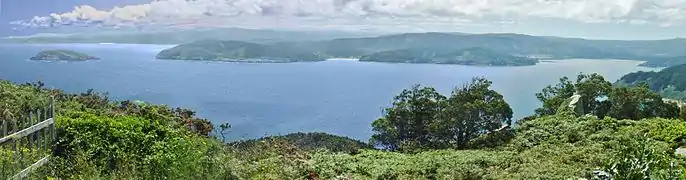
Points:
(366, 13)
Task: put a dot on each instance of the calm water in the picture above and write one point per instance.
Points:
(340, 97)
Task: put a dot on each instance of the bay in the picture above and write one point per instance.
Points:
(340, 97)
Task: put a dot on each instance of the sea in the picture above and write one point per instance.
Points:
(338, 96)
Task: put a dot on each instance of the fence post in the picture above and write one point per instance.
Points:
(29, 123)
(2, 146)
(14, 142)
(52, 127)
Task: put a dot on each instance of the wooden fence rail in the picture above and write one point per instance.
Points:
(26, 142)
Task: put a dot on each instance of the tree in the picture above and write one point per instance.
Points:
(224, 130)
(639, 103)
(551, 97)
(472, 111)
(591, 87)
(599, 98)
(405, 124)
(421, 118)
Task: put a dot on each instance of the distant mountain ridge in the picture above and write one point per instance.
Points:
(509, 49)
(459, 48)
(180, 36)
(511, 44)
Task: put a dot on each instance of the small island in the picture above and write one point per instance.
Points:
(469, 56)
(62, 55)
(237, 51)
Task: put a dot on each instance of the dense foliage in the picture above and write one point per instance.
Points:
(600, 98)
(104, 139)
(423, 118)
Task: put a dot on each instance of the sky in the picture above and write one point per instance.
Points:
(593, 19)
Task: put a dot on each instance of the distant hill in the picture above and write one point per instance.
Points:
(670, 82)
(511, 44)
(180, 36)
(237, 51)
(469, 56)
(640, 48)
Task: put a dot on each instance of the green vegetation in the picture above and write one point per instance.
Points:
(471, 56)
(600, 98)
(62, 55)
(424, 135)
(670, 82)
(422, 118)
(215, 50)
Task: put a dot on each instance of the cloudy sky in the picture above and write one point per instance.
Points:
(597, 19)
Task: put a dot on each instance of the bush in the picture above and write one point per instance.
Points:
(123, 143)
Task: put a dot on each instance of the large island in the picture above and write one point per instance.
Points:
(62, 55)
(237, 51)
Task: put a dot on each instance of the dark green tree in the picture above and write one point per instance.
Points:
(405, 124)
(552, 96)
(471, 111)
(599, 98)
(421, 118)
(638, 103)
(591, 88)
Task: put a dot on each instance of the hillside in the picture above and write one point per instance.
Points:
(216, 50)
(664, 62)
(103, 139)
(670, 82)
(470, 56)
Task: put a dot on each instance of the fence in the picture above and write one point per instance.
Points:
(26, 142)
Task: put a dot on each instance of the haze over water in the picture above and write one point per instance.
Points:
(341, 97)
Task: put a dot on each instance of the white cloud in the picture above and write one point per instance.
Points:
(265, 13)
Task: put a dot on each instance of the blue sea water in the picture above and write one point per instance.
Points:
(341, 97)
